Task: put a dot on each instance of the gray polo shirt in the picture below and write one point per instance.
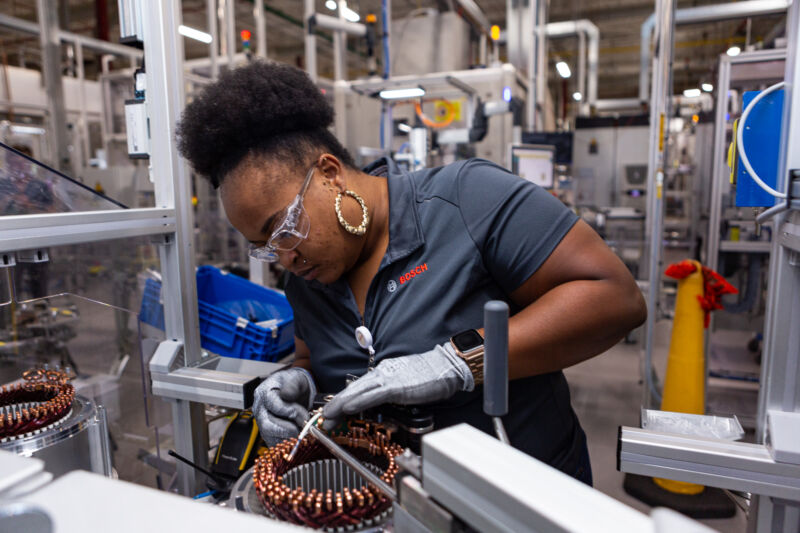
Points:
(459, 236)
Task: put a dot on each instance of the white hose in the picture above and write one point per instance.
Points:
(771, 212)
(740, 141)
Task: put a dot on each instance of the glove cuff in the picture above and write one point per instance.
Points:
(467, 380)
(312, 388)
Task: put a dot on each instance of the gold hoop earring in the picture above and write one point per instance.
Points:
(362, 228)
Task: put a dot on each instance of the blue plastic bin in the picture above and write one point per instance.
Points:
(237, 318)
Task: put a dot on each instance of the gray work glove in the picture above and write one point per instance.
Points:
(282, 402)
(407, 380)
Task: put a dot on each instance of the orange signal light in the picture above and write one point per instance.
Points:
(495, 32)
(245, 35)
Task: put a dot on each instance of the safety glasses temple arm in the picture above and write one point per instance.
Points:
(304, 188)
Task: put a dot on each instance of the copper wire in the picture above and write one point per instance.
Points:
(44, 398)
(312, 507)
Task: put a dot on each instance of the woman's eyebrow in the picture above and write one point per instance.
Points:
(268, 223)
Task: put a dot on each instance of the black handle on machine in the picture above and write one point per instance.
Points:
(495, 364)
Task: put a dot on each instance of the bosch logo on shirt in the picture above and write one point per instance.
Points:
(414, 272)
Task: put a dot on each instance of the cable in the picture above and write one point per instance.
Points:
(771, 212)
(383, 126)
(387, 69)
(740, 140)
(209, 475)
(451, 115)
(656, 395)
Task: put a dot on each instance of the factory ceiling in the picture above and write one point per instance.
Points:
(697, 46)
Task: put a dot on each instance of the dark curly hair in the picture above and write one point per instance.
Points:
(263, 108)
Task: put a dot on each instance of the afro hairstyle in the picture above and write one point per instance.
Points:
(263, 108)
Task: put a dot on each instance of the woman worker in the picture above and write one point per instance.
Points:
(413, 256)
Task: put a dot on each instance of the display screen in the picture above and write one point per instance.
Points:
(533, 163)
(467, 340)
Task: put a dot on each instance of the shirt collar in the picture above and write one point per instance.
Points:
(405, 230)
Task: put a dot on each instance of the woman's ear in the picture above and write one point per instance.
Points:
(333, 171)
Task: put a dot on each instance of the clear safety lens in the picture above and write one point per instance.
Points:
(263, 253)
(292, 229)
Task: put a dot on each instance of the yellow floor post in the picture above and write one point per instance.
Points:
(684, 384)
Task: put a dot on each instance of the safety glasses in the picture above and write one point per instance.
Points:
(291, 228)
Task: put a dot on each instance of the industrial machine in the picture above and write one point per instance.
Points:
(769, 468)
(349, 480)
(442, 487)
(433, 119)
(534, 163)
(608, 155)
(453, 493)
(40, 416)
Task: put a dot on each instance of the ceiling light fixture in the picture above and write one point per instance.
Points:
(734, 51)
(350, 15)
(407, 92)
(197, 35)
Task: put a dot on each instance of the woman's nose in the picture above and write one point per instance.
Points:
(288, 259)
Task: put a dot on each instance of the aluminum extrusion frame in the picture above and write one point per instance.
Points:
(508, 490)
(25, 232)
(714, 462)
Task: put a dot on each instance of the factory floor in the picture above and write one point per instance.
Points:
(606, 394)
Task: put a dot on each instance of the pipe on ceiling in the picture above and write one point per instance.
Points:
(696, 15)
(90, 43)
(589, 30)
(705, 101)
(474, 12)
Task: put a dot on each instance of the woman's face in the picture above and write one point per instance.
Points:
(256, 193)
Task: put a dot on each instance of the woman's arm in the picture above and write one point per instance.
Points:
(579, 303)
(302, 355)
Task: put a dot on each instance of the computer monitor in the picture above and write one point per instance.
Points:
(562, 141)
(533, 162)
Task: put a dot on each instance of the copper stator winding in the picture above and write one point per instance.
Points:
(44, 398)
(370, 442)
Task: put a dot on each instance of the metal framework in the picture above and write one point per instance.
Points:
(719, 171)
(730, 465)
(770, 469)
(696, 15)
(50, 39)
(27, 232)
(661, 99)
(498, 493)
(171, 220)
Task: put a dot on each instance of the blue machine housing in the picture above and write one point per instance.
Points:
(762, 142)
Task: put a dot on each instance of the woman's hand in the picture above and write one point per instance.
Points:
(282, 402)
(407, 380)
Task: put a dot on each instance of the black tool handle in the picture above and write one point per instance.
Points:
(495, 358)
(200, 469)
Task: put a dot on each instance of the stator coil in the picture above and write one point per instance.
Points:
(315, 489)
(43, 399)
